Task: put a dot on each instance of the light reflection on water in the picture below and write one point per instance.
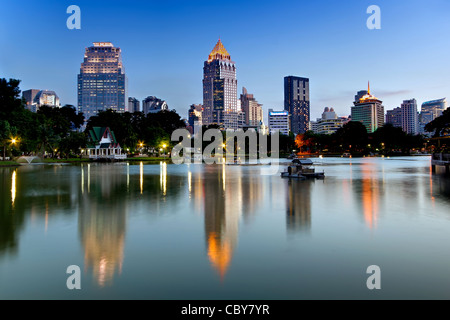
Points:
(196, 231)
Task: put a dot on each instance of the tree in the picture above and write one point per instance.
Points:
(440, 125)
(353, 136)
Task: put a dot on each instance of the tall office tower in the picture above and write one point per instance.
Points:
(430, 111)
(369, 111)
(296, 102)
(394, 117)
(134, 105)
(220, 89)
(410, 118)
(102, 83)
(153, 104)
(251, 108)
(279, 121)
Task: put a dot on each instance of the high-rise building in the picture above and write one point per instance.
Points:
(251, 108)
(410, 117)
(134, 105)
(297, 103)
(394, 117)
(220, 89)
(102, 83)
(153, 104)
(430, 111)
(279, 121)
(369, 111)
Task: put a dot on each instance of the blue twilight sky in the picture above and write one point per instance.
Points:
(164, 45)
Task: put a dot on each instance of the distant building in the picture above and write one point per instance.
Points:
(251, 108)
(394, 117)
(410, 118)
(220, 89)
(431, 110)
(37, 98)
(329, 123)
(103, 145)
(297, 103)
(369, 111)
(134, 105)
(102, 83)
(29, 96)
(153, 104)
(279, 121)
(195, 115)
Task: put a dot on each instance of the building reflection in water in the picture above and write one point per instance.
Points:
(298, 205)
(163, 177)
(221, 195)
(370, 194)
(102, 222)
(13, 187)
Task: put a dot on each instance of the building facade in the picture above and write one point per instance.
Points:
(410, 117)
(369, 111)
(279, 121)
(297, 103)
(431, 110)
(251, 108)
(102, 83)
(153, 104)
(394, 117)
(220, 104)
(134, 105)
(329, 123)
(195, 115)
(35, 99)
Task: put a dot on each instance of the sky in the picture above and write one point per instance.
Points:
(165, 43)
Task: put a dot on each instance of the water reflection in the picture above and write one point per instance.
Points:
(298, 205)
(370, 193)
(102, 223)
(13, 187)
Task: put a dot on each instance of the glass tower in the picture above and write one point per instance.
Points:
(102, 83)
(297, 103)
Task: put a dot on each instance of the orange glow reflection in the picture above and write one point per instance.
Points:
(219, 253)
(370, 196)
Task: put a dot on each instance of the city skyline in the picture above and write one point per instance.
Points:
(335, 74)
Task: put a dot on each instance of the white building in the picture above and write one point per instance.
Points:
(329, 123)
(103, 145)
(410, 117)
(279, 121)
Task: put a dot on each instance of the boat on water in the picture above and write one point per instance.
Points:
(302, 169)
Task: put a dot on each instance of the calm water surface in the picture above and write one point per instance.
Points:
(225, 232)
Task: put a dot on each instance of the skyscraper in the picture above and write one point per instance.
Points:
(296, 102)
(251, 108)
(220, 102)
(410, 118)
(102, 83)
(369, 111)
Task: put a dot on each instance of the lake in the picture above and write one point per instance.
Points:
(141, 231)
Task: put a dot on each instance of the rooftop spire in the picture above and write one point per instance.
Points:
(368, 91)
(219, 52)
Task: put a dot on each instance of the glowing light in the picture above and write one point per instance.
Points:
(163, 177)
(164, 146)
(141, 176)
(13, 141)
(13, 187)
